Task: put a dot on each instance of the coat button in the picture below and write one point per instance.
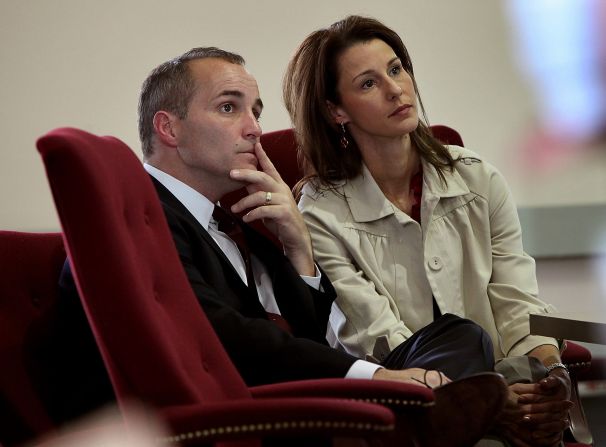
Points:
(435, 263)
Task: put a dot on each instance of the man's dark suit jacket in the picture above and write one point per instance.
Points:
(261, 351)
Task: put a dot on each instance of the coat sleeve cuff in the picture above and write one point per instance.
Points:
(530, 342)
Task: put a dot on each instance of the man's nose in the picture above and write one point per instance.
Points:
(252, 128)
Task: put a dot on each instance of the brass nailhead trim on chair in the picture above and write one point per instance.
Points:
(398, 402)
(578, 365)
(285, 425)
(274, 426)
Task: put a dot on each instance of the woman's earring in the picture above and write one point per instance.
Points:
(344, 140)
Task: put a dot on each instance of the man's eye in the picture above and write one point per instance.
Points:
(227, 108)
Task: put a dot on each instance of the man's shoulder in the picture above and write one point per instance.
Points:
(173, 209)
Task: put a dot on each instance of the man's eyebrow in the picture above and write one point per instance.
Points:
(239, 94)
(236, 93)
(391, 61)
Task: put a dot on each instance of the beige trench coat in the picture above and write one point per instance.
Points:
(385, 266)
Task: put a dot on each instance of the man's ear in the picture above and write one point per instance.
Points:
(338, 114)
(164, 126)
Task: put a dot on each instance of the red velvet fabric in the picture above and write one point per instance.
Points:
(399, 396)
(153, 335)
(447, 135)
(576, 357)
(29, 264)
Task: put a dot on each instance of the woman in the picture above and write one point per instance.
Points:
(407, 229)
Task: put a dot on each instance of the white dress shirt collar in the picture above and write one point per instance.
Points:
(197, 204)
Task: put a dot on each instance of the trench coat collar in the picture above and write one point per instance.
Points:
(368, 203)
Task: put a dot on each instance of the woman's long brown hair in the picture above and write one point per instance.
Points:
(311, 80)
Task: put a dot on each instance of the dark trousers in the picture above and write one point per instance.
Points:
(456, 346)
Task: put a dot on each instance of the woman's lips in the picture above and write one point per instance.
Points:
(402, 110)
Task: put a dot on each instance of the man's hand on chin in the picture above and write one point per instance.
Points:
(271, 200)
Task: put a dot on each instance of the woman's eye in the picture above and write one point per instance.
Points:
(368, 84)
(395, 70)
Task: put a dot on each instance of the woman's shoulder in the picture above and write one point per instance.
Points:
(470, 163)
(477, 172)
(320, 196)
(464, 155)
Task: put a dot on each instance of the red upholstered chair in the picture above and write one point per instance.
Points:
(156, 342)
(281, 147)
(29, 264)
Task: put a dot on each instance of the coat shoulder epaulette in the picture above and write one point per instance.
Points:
(469, 160)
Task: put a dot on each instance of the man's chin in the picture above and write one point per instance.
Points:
(252, 166)
(246, 160)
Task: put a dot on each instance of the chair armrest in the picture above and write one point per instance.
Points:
(395, 395)
(287, 417)
(579, 426)
(577, 359)
(456, 414)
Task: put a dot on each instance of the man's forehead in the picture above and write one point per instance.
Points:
(216, 76)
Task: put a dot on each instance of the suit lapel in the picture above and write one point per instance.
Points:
(168, 199)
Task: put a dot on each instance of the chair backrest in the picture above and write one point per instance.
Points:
(281, 148)
(156, 342)
(30, 264)
(447, 135)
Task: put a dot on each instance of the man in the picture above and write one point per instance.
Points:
(199, 128)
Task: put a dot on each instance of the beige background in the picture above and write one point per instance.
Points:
(81, 62)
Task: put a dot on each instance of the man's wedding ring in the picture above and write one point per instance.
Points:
(267, 198)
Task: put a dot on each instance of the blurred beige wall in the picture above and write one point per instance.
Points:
(81, 62)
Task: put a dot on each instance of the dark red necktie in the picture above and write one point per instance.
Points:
(227, 223)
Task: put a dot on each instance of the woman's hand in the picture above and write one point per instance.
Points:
(537, 414)
(548, 410)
